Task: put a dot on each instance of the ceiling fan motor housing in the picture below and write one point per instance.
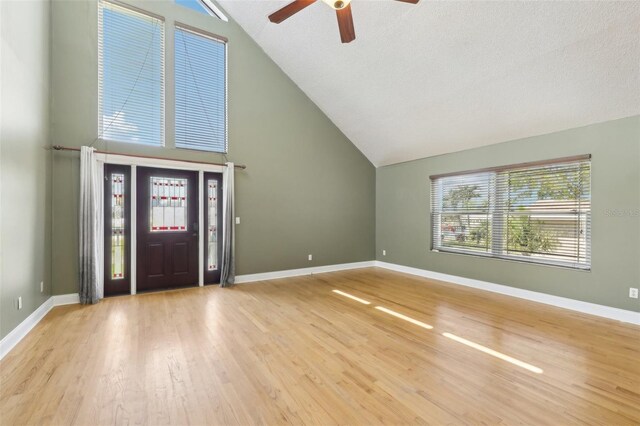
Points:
(337, 4)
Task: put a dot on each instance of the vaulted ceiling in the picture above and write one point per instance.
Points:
(439, 77)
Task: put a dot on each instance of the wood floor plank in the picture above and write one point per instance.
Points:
(292, 351)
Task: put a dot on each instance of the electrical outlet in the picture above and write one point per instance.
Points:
(633, 293)
(310, 257)
(41, 286)
(19, 302)
(384, 252)
(238, 220)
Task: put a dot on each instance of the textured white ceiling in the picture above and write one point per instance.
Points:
(438, 77)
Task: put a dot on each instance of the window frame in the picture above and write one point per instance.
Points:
(215, 10)
(163, 88)
(178, 25)
(497, 245)
(210, 8)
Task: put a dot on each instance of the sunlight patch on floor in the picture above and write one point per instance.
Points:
(404, 317)
(351, 296)
(493, 353)
(458, 339)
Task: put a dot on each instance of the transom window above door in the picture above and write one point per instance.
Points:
(132, 79)
(201, 90)
(131, 75)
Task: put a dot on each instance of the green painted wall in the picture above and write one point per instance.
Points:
(25, 164)
(307, 189)
(403, 226)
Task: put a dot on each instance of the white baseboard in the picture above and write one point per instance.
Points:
(561, 302)
(17, 334)
(66, 299)
(243, 279)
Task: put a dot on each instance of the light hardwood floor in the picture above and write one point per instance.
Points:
(293, 351)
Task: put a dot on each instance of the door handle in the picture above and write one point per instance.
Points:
(195, 229)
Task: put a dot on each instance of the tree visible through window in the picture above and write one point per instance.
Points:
(538, 213)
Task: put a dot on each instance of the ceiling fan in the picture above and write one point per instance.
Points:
(342, 8)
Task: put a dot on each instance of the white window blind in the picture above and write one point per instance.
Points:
(537, 213)
(201, 91)
(131, 75)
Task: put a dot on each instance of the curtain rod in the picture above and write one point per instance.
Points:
(66, 148)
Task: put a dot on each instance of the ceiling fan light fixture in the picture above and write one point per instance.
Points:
(337, 4)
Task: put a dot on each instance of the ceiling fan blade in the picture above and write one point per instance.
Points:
(409, 1)
(345, 23)
(289, 10)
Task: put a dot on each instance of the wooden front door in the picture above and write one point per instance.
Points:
(167, 228)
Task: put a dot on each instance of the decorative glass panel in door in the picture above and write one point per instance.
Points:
(117, 225)
(168, 204)
(213, 225)
(212, 228)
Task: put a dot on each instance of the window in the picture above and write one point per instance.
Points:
(201, 91)
(203, 6)
(168, 204)
(131, 75)
(117, 229)
(538, 212)
(117, 226)
(212, 231)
